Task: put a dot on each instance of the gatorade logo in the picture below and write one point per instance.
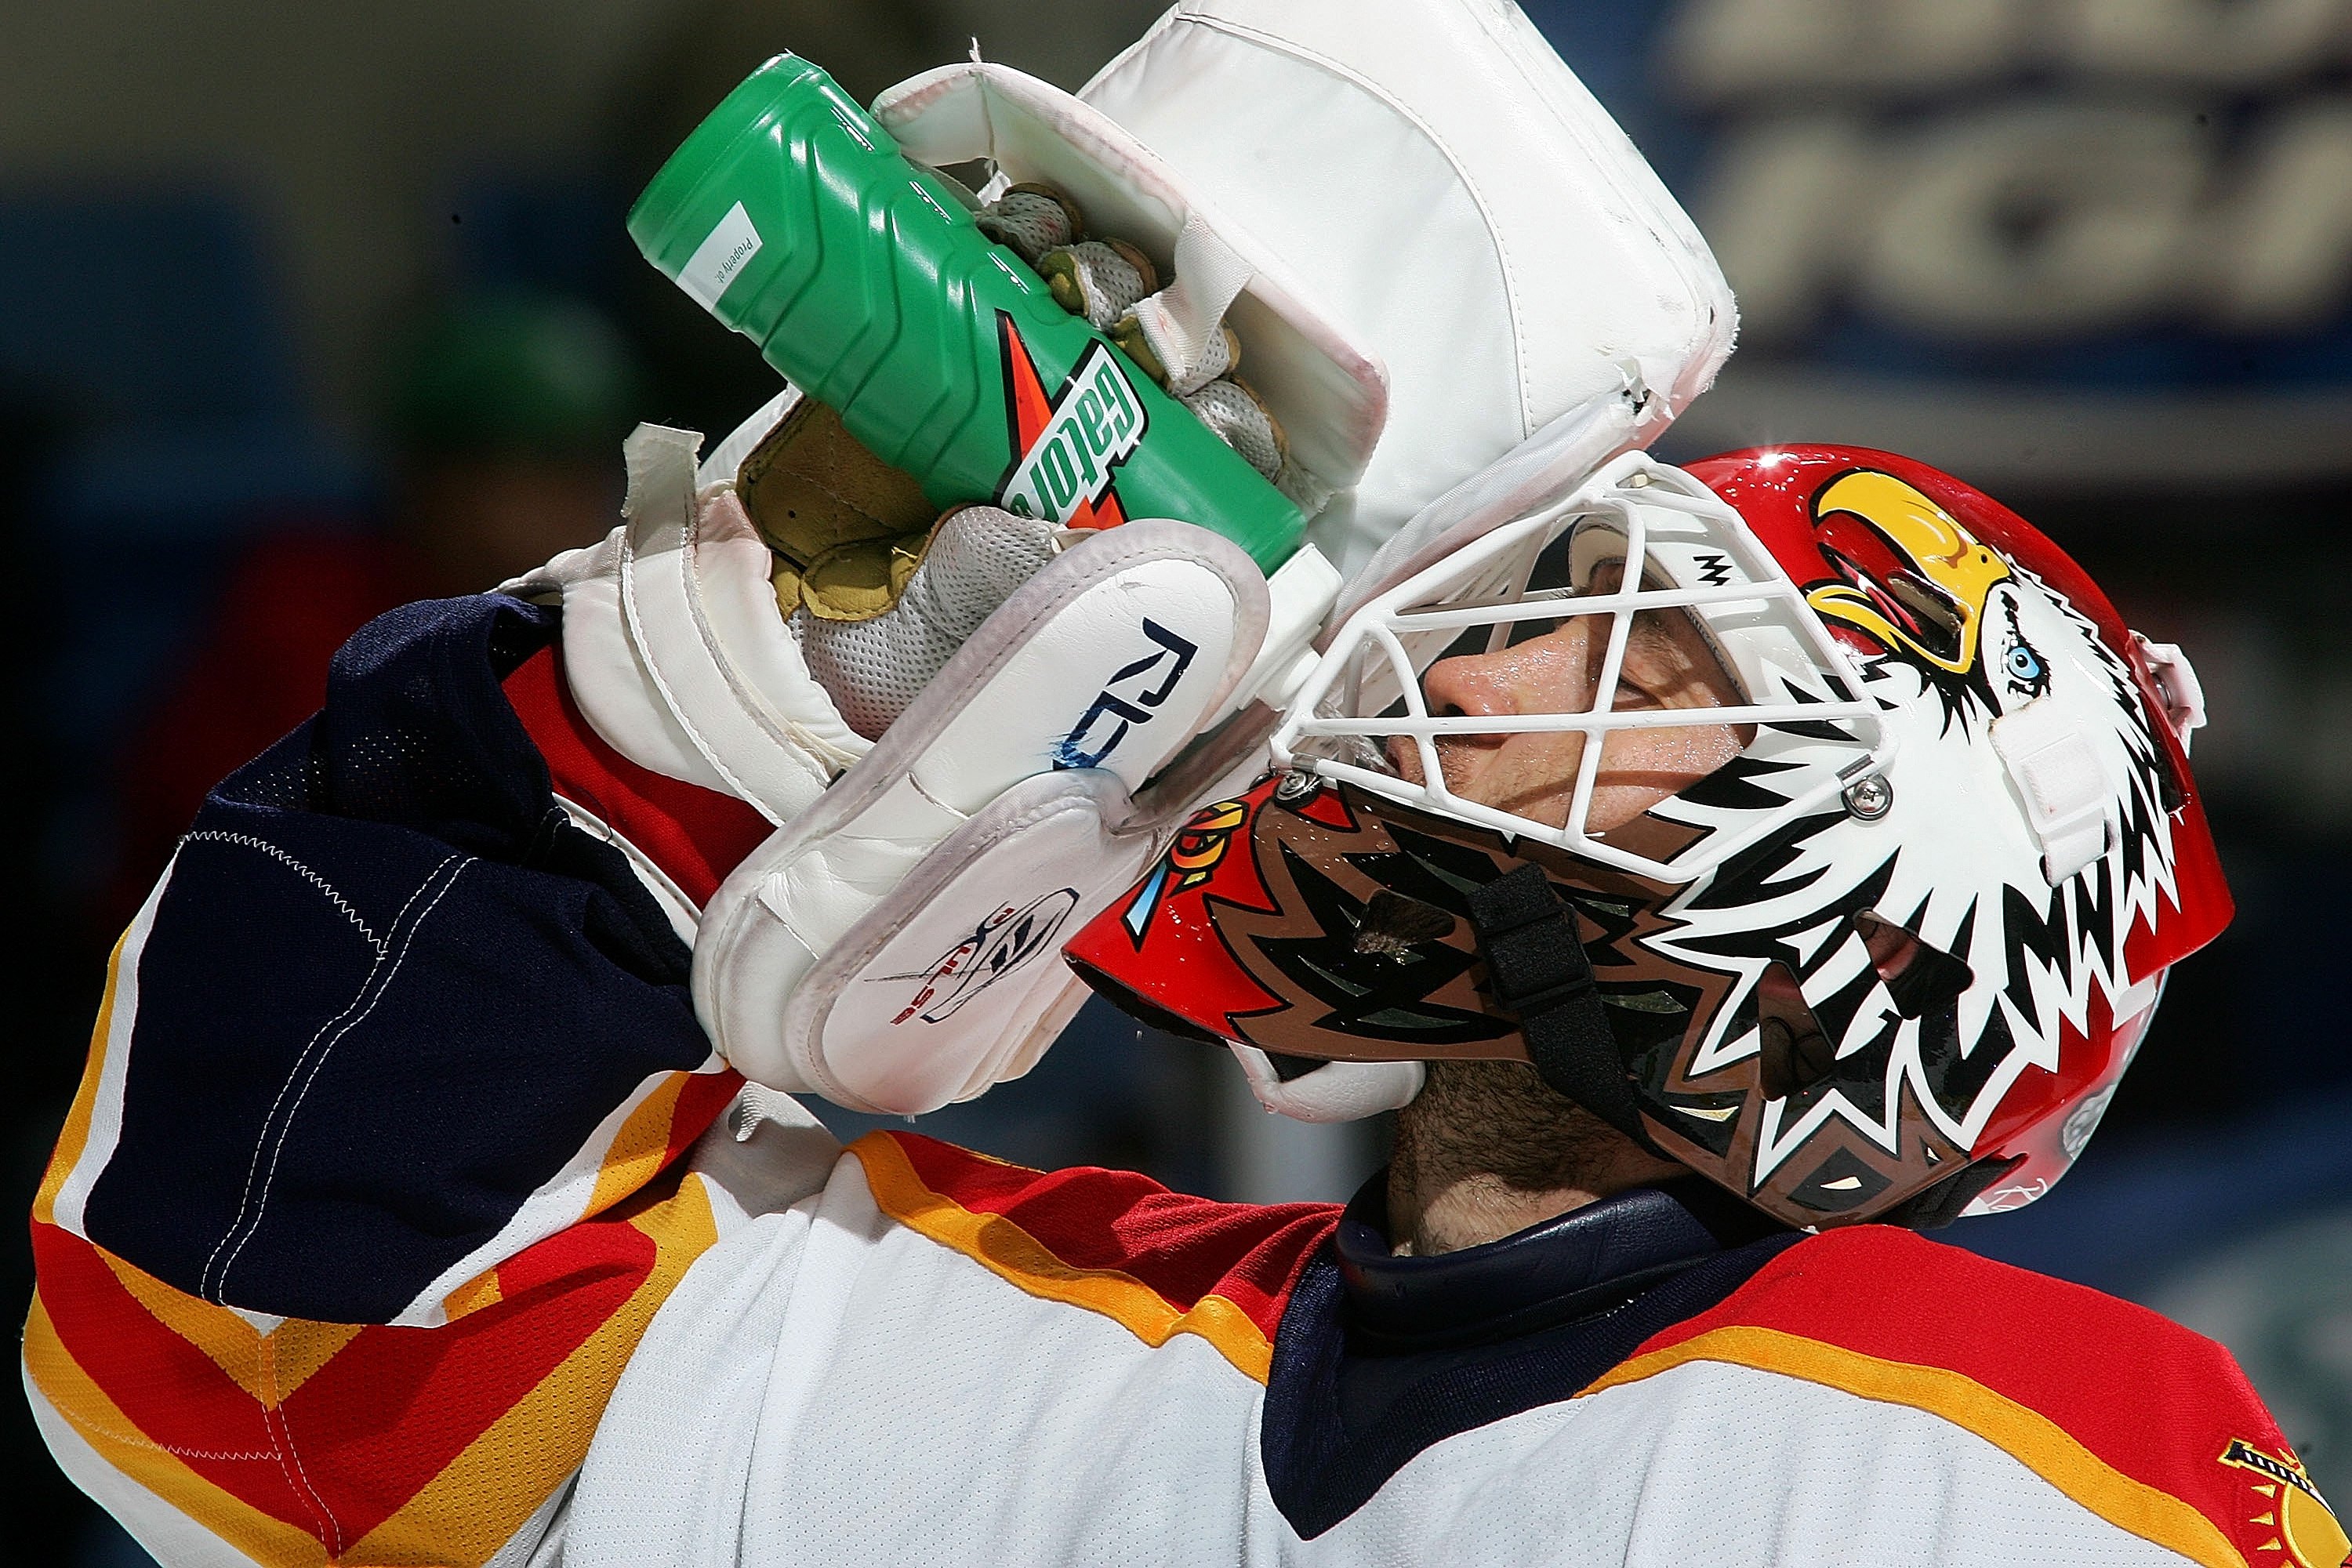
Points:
(1067, 445)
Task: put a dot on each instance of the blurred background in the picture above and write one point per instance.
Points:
(308, 310)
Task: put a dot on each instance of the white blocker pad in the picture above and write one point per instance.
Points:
(1450, 194)
(895, 947)
(673, 646)
(1328, 393)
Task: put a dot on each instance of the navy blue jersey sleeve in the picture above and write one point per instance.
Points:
(372, 1030)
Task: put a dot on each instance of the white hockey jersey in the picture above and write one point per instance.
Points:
(938, 1358)
(400, 1219)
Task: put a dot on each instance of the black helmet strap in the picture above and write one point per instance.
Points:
(1537, 973)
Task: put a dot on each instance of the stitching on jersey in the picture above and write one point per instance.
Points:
(273, 1418)
(256, 1197)
(204, 1286)
(262, 1201)
(136, 1440)
(215, 836)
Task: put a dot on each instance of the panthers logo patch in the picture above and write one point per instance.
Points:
(2302, 1529)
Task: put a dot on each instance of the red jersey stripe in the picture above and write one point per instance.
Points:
(1181, 1250)
(2122, 1409)
(172, 1396)
(434, 1444)
(694, 834)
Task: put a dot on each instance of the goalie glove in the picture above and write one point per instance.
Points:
(893, 944)
(874, 669)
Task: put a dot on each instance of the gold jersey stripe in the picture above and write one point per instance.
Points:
(271, 1542)
(474, 1505)
(641, 1148)
(74, 1137)
(2028, 1436)
(269, 1366)
(1013, 1255)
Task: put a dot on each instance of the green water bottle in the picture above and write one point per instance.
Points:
(792, 216)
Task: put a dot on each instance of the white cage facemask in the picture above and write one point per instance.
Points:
(1364, 715)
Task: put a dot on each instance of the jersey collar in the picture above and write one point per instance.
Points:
(1585, 1261)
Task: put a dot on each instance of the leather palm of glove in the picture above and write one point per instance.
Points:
(981, 778)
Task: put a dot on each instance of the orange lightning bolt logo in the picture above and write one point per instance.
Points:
(1067, 445)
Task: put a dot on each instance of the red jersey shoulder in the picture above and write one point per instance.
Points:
(1113, 1223)
(694, 834)
(2055, 1372)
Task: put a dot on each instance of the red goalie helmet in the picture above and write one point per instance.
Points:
(1880, 949)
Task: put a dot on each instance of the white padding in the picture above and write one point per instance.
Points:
(955, 982)
(1454, 197)
(1334, 1091)
(702, 618)
(616, 693)
(1300, 593)
(1182, 322)
(1329, 394)
(2177, 682)
(2069, 802)
(1104, 663)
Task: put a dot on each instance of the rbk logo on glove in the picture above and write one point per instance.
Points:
(1109, 705)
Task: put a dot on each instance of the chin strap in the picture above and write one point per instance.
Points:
(1934, 1207)
(1539, 973)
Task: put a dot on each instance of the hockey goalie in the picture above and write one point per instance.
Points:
(1215, 562)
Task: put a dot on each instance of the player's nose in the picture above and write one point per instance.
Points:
(1477, 685)
(1547, 674)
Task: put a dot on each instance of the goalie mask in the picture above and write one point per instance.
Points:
(1806, 815)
